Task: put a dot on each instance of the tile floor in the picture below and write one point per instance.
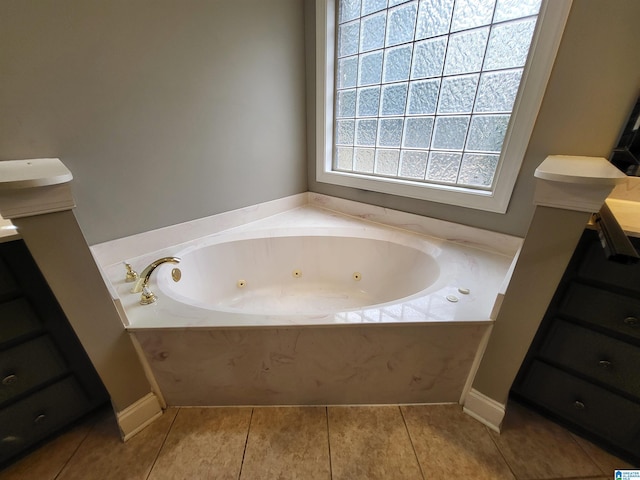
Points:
(351, 443)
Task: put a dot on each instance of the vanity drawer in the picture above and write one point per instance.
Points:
(603, 358)
(24, 423)
(8, 285)
(27, 366)
(599, 411)
(595, 266)
(17, 318)
(614, 312)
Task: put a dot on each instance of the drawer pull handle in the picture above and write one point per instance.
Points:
(578, 404)
(10, 379)
(39, 419)
(631, 321)
(604, 363)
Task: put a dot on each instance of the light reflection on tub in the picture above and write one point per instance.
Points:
(300, 274)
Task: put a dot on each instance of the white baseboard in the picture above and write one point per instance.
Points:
(484, 341)
(484, 409)
(138, 415)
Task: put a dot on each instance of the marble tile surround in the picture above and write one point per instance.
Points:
(116, 251)
(342, 365)
(432, 227)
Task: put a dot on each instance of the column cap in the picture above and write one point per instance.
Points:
(33, 187)
(36, 172)
(575, 183)
(584, 170)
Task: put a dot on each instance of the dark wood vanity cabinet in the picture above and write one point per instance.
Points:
(46, 378)
(583, 367)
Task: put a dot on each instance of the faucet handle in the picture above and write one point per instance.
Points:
(131, 275)
(147, 296)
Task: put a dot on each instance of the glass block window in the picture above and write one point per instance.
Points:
(425, 89)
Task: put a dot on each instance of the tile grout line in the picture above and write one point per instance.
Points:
(495, 444)
(246, 442)
(57, 475)
(326, 411)
(413, 447)
(573, 438)
(153, 464)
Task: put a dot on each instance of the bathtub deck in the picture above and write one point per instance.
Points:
(471, 267)
(420, 349)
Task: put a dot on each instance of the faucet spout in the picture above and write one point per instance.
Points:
(143, 280)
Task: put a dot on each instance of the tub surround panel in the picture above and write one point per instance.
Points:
(115, 251)
(313, 366)
(432, 227)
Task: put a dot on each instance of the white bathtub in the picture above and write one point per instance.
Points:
(312, 306)
(302, 273)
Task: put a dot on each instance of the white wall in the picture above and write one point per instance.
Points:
(163, 110)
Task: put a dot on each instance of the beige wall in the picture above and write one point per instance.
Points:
(163, 110)
(593, 86)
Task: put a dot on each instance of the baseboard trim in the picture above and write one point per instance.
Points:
(138, 415)
(484, 409)
(484, 341)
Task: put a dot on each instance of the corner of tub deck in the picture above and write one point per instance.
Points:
(502, 291)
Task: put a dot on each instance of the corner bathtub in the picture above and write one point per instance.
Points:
(315, 307)
(301, 274)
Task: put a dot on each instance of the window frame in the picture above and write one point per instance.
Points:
(542, 53)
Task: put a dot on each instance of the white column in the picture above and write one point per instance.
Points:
(36, 196)
(568, 191)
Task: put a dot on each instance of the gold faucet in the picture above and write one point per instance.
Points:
(142, 284)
